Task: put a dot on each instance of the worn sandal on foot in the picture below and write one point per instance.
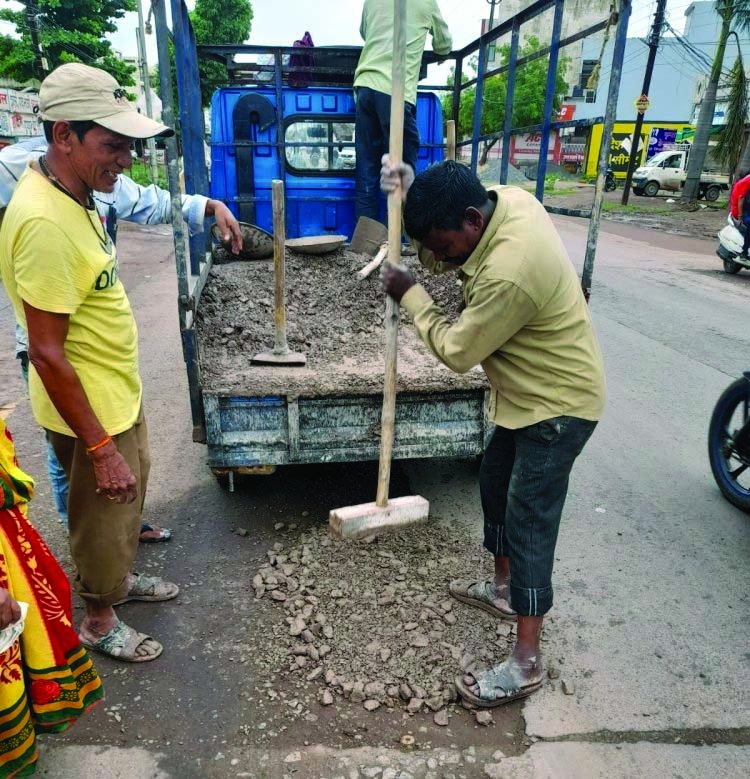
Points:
(502, 679)
(159, 535)
(123, 642)
(152, 589)
(480, 594)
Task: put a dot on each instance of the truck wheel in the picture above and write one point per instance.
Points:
(651, 189)
(732, 267)
(712, 193)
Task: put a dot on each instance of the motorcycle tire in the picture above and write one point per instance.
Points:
(720, 450)
(732, 267)
(610, 185)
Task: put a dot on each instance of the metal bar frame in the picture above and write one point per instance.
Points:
(185, 296)
(549, 97)
(618, 55)
(478, 104)
(509, 94)
(595, 28)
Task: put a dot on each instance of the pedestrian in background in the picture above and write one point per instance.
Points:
(372, 89)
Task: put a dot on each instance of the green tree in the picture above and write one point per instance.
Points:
(732, 13)
(69, 31)
(729, 145)
(528, 95)
(217, 22)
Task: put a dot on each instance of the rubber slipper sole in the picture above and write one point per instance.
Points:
(94, 648)
(480, 604)
(480, 703)
(147, 598)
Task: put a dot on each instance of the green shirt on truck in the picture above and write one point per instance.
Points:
(525, 319)
(376, 29)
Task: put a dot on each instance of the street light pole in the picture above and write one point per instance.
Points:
(653, 45)
(143, 67)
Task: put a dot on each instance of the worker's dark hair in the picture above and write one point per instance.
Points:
(439, 197)
(79, 128)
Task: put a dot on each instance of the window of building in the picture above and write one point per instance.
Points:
(312, 156)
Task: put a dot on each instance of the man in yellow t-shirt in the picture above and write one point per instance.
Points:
(372, 88)
(60, 270)
(526, 322)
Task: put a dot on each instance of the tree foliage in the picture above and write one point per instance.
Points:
(217, 22)
(528, 94)
(69, 31)
(729, 146)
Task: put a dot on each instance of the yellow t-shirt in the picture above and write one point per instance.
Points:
(525, 321)
(56, 256)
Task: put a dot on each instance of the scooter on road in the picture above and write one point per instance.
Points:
(731, 241)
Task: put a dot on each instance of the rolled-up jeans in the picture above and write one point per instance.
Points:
(523, 483)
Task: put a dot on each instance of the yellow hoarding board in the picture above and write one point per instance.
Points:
(619, 154)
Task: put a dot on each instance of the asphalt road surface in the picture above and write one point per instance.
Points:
(650, 623)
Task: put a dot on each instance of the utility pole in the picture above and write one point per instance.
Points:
(41, 66)
(143, 67)
(493, 46)
(653, 45)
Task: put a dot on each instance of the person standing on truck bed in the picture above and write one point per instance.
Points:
(526, 322)
(128, 201)
(372, 89)
(59, 267)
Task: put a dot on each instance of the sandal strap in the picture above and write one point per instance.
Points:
(122, 639)
(145, 585)
(505, 677)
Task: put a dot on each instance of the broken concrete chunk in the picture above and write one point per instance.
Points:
(371, 704)
(568, 687)
(440, 718)
(414, 705)
(483, 717)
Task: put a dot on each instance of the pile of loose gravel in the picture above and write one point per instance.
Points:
(335, 318)
(372, 622)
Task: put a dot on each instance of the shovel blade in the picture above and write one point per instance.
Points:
(279, 358)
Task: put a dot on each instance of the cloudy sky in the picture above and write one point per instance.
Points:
(337, 21)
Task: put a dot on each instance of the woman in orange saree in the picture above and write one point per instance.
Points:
(47, 680)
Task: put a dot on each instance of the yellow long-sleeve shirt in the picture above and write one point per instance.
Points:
(526, 320)
(376, 29)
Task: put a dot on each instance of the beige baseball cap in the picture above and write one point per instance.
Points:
(76, 92)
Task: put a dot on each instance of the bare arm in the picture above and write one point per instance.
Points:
(47, 333)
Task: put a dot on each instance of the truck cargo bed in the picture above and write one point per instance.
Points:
(328, 410)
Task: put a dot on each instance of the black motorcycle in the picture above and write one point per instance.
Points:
(610, 182)
(729, 443)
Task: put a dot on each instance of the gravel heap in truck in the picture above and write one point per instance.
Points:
(335, 318)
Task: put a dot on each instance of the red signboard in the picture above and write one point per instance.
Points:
(566, 113)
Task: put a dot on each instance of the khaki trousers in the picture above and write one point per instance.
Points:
(103, 534)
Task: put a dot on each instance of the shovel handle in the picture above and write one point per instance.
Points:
(279, 266)
(395, 152)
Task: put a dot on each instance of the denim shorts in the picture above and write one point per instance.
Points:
(523, 483)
